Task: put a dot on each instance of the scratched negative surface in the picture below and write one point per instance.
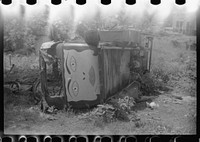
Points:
(99, 69)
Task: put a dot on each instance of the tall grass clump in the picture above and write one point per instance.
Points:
(175, 66)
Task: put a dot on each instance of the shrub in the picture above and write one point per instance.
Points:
(13, 34)
(21, 34)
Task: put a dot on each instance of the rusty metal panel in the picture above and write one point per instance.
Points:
(120, 36)
(116, 70)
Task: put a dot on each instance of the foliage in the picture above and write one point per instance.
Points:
(85, 26)
(81, 29)
(117, 109)
(100, 115)
(21, 34)
(14, 34)
(146, 22)
(180, 72)
(37, 25)
(120, 21)
(59, 30)
(126, 103)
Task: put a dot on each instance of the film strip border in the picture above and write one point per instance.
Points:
(99, 138)
(104, 2)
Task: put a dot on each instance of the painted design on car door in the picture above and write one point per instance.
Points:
(81, 75)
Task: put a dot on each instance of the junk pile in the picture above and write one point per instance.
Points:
(117, 109)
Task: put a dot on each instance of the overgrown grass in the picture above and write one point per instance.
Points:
(20, 61)
(174, 66)
(25, 67)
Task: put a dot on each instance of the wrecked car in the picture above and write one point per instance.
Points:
(85, 74)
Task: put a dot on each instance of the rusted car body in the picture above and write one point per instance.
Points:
(89, 78)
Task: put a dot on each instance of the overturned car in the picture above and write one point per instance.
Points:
(83, 75)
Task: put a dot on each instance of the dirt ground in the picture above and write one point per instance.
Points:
(172, 115)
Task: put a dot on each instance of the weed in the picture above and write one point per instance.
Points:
(175, 67)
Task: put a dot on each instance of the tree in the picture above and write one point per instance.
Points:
(21, 34)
